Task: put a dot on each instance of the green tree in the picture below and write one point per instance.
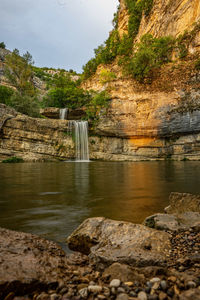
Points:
(70, 97)
(150, 53)
(19, 72)
(97, 105)
(24, 104)
(2, 45)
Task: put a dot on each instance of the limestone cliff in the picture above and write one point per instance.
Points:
(157, 120)
(160, 119)
(33, 139)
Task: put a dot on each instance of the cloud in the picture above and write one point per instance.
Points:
(58, 33)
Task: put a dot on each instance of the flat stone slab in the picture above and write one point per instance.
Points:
(173, 222)
(108, 241)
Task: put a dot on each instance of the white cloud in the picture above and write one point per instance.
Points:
(59, 33)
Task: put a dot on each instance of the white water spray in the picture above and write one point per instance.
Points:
(81, 140)
(63, 113)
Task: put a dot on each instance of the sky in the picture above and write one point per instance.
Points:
(57, 33)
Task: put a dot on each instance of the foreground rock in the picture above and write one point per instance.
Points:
(107, 241)
(29, 262)
(183, 202)
(173, 222)
(32, 268)
(182, 213)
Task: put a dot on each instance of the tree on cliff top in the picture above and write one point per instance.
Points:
(2, 45)
(19, 72)
(20, 75)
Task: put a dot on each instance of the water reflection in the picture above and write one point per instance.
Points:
(52, 199)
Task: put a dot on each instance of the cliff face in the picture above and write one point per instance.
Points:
(157, 119)
(33, 139)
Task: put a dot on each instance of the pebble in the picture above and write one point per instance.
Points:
(163, 284)
(95, 289)
(54, 297)
(83, 293)
(191, 284)
(142, 296)
(101, 297)
(155, 279)
(153, 297)
(106, 291)
(128, 283)
(115, 283)
(121, 290)
(162, 296)
(113, 290)
(122, 297)
(156, 285)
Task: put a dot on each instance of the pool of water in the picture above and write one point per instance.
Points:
(52, 199)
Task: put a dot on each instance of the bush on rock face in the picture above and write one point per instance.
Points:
(24, 104)
(5, 94)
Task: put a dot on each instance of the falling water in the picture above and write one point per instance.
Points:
(81, 140)
(63, 113)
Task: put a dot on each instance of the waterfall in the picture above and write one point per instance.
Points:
(81, 140)
(63, 113)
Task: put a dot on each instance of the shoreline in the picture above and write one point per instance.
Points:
(35, 268)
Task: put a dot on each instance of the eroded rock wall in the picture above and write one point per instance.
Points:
(161, 118)
(33, 139)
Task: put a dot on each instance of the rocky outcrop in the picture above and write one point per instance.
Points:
(33, 139)
(107, 241)
(171, 17)
(173, 222)
(183, 202)
(50, 112)
(183, 213)
(160, 119)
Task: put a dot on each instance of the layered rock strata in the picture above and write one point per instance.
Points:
(160, 119)
(33, 139)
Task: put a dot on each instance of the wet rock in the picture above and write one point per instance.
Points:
(107, 241)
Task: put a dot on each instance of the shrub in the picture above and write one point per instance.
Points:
(25, 104)
(71, 97)
(98, 105)
(5, 94)
(19, 72)
(106, 76)
(13, 159)
(150, 53)
(114, 46)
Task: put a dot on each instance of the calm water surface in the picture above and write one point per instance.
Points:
(52, 199)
